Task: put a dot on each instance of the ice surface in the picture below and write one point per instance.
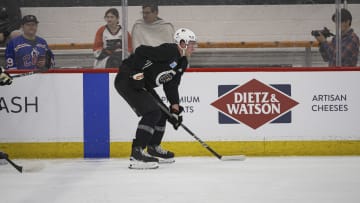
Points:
(265, 180)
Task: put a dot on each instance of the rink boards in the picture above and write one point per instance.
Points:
(272, 111)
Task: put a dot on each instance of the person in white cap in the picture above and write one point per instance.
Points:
(147, 68)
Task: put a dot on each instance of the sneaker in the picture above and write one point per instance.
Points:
(139, 159)
(164, 156)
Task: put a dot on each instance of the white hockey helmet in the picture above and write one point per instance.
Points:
(184, 34)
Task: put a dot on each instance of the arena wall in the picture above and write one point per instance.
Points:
(210, 23)
(78, 113)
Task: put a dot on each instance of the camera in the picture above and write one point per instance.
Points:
(326, 32)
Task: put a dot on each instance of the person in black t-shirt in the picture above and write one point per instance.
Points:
(10, 20)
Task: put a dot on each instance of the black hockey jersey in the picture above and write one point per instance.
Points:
(162, 65)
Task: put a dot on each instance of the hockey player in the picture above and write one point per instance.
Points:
(28, 51)
(5, 79)
(147, 68)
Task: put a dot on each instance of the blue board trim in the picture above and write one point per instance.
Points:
(96, 115)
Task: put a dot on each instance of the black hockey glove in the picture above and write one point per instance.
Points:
(46, 61)
(137, 81)
(176, 118)
(49, 62)
(5, 78)
(3, 155)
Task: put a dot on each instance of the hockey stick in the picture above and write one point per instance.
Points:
(30, 73)
(17, 167)
(34, 167)
(220, 157)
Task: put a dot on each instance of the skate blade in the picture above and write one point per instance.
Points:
(166, 161)
(140, 165)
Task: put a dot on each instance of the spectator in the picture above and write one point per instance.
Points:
(349, 43)
(28, 51)
(10, 21)
(108, 42)
(151, 30)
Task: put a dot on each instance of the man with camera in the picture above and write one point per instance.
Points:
(349, 42)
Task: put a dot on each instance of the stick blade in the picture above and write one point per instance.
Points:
(233, 158)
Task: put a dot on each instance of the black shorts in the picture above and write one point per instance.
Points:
(141, 101)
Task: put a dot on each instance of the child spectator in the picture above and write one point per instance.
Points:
(108, 42)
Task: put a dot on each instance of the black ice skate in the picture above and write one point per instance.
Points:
(3, 157)
(142, 160)
(163, 155)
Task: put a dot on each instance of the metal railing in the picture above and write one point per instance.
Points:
(307, 55)
(307, 45)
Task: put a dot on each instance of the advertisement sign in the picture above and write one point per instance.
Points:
(42, 108)
(257, 106)
(218, 106)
